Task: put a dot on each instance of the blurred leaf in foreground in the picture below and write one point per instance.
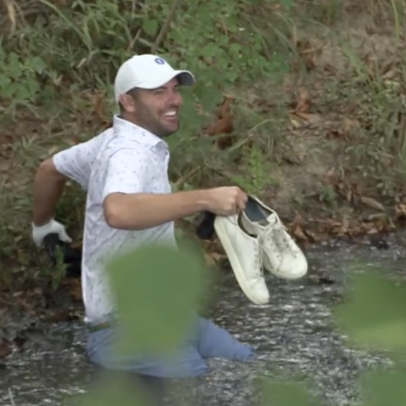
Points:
(379, 388)
(374, 313)
(157, 289)
(116, 390)
(287, 393)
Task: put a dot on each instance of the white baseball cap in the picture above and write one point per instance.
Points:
(147, 72)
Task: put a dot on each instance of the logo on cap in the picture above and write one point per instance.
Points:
(159, 61)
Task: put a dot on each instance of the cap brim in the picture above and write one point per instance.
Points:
(185, 78)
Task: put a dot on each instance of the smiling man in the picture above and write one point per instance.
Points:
(129, 203)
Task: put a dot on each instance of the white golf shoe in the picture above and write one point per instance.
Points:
(281, 255)
(245, 257)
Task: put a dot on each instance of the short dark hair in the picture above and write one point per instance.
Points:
(134, 93)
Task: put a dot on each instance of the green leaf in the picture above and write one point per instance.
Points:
(22, 93)
(5, 82)
(32, 86)
(9, 91)
(157, 289)
(13, 60)
(150, 27)
(380, 388)
(114, 389)
(374, 314)
(285, 393)
(37, 64)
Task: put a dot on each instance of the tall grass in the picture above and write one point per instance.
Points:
(58, 60)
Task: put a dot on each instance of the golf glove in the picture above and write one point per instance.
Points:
(53, 227)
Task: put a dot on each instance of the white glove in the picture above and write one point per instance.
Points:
(39, 233)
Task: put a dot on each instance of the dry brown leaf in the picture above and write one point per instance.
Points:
(214, 258)
(400, 211)
(308, 116)
(303, 101)
(12, 15)
(306, 53)
(299, 233)
(74, 288)
(390, 74)
(349, 125)
(5, 348)
(295, 123)
(372, 203)
(223, 125)
(334, 133)
(99, 106)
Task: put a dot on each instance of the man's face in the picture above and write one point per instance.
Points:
(156, 110)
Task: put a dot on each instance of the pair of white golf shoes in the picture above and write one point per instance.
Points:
(256, 239)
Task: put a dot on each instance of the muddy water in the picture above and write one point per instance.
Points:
(293, 335)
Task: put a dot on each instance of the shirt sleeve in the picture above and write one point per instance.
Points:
(128, 171)
(76, 162)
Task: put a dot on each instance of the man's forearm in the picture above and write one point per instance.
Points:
(48, 188)
(143, 211)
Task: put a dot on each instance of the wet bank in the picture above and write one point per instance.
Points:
(293, 334)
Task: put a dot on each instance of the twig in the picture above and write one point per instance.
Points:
(10, 395)
(181, 181)
(166, 26)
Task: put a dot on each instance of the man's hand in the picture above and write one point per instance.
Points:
(39, 233)
(226, 201)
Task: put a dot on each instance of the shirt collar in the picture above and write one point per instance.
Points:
(142, 135)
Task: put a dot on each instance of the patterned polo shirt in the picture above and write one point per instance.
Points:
(128, 159)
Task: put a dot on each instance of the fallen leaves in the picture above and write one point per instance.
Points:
(306, 53)
(352, 193)
(302, 107)
(372, 203)
(223, 124)
(6, 348)
(400, 211)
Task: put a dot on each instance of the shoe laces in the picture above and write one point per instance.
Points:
(275, 235)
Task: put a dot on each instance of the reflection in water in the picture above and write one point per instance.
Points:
(292, 334)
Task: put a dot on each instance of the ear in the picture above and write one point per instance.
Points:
(127, 102)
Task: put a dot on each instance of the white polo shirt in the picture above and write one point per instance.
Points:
(128, 159)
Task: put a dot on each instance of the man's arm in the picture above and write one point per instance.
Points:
(129, 204)
(72, 163)
(48, 188)
(140, 211)
(76, 162)
(128, 201)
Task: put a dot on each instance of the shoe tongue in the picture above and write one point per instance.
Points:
(271, 219)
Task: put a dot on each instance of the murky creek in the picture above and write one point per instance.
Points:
(293, 334)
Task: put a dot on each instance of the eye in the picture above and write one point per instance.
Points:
(159, 92)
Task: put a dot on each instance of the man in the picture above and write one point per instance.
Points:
(129, 202)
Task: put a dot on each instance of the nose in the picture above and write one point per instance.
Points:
(175, 99)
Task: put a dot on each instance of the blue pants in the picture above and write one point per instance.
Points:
(206, 341)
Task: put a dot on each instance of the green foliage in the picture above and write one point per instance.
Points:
(381, 388)
(258, 173)
(19, 82)
(374, 315)
(66, 53)
(287, 393)
(157, 290)
(78, 47)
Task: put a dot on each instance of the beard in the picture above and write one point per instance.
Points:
(156, 122)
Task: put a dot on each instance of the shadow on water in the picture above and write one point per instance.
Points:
(293, 334)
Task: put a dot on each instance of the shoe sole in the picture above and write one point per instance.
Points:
(283, 275)
(235, 264)
(287, 278)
